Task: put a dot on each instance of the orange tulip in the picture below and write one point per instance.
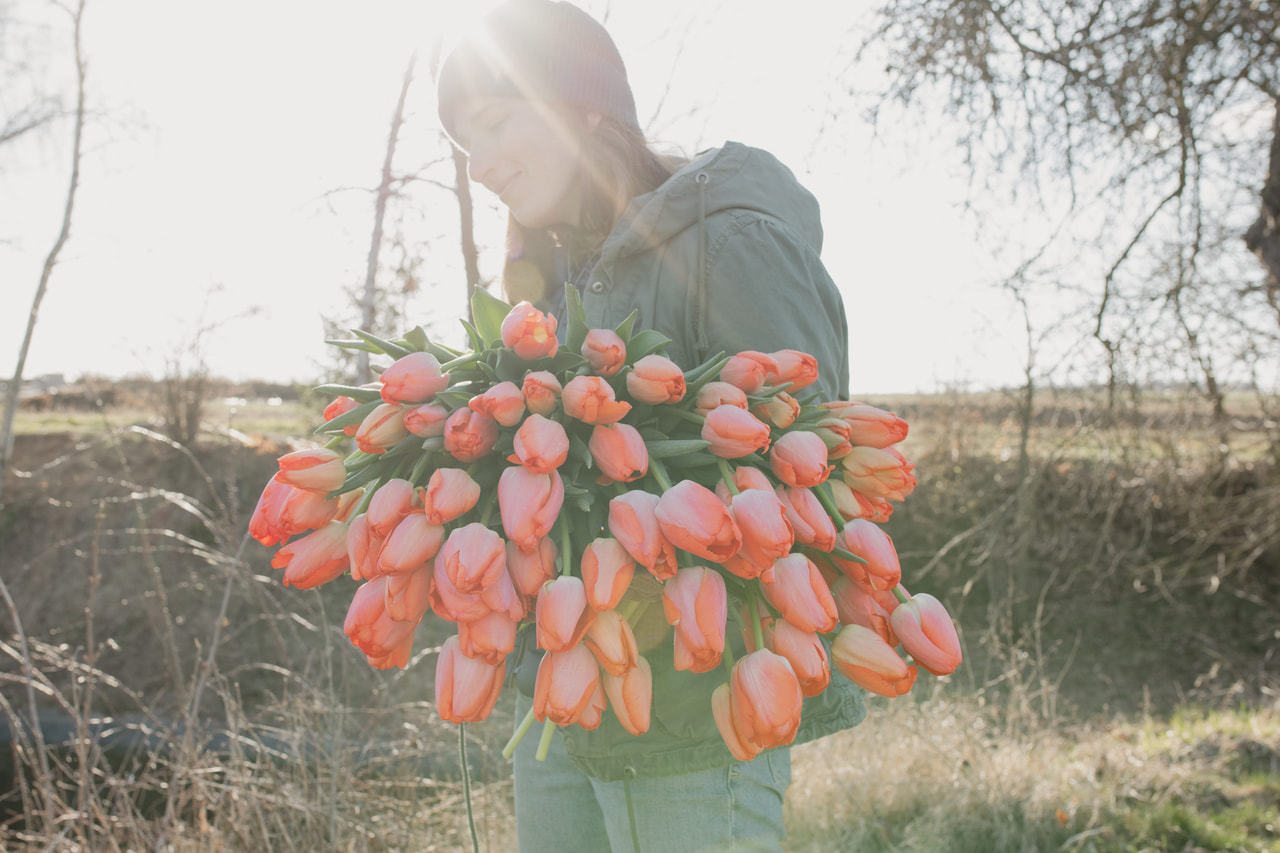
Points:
(734, 432)
(466, 688)
(695, 520)
(392, 501)
(530, 571)
(871, 543)
(408, 595)
(696, 604)
(796, 588)
(382, 428)
(284, 510)
(529, 332)
(316, 558)
(363, 548)
(810, 521)
(798, 368)
(862, 656)
(565, 685)
(372, 630)
(868, 425)
(612, 641)
(633, 521)
(413, 542)
(449, 494)
(263, 522)
(469, 435)
(472, 556)
(504, 402)
(765, 699)
(744, 477)
(879, 473)
(607, 570)
(749, 370)
(619, 452)
(456, 606)
(715, 394)
(722, 713)
(656, 379)
(593, 714)
(591, 400)
(781, 410)
(926, 631)
(316, 470)
(503, 597)
(529, 504)
(799, 459)
(426, 420)
(631, 696)
(562, 614)
(766, 533)
(858, 605)
(490, 638)
(340, 406)
(804, 651)
(414, 378)
(855, 505)
(540, 444)
(605, 351)
(541, 391)
(836, 434)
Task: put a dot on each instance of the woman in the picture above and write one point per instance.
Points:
(720, 254)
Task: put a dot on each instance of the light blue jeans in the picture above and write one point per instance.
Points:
(559, 809)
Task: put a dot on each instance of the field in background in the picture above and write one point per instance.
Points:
(1113, 573)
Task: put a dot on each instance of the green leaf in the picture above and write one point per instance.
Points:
(624, 328)
(360, 395)
(385, 346)
(488, 312)
(346, 419)
(669, 447)
(644, 343)
(477, 343)
(453, 399)
(357, 345)
(418, 339)
(576, 334)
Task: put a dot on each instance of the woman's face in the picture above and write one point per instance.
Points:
(525, 153)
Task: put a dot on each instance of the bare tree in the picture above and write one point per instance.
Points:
(51, 259)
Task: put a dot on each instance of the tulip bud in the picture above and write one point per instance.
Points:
(530, 571)
(611, 640)
(619, 451)
(749, 370)
(926, 631)
(315, 559)
(469, 435)
(562, 614)
(317, 470)
(408, 595)
(565, 685)
(381, 429)
(879, 473)
(798, 368)
(529, 504)
(809, 519)
(413, 378)
(866, 539)
(868, 425)
(765, 699)
(796, 588)
(695, 520)
(715, 394)
(799, 459)
(695, 602)
(466, 688)
(631, 696)
(633, 521)
(540, 444)
(607, 570)
(472, 556)
(504, 402)
(862, 656)
(591, 400)
(734, 432)
(426, 420)
(541, 392)
(413, 542)
(605, 351)
(392, 501)
(449, 494)
(340, 406)
(655, 380)
(529, 332)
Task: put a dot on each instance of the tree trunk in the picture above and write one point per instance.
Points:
(1263, 236)
(466, 213)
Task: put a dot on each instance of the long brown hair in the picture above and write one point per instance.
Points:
(616, 165)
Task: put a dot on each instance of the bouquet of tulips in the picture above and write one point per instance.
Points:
(604, 497)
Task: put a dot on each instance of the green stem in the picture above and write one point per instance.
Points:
(566, 542)
(336, 442)
(486, 515)
(753, 609)
(363, 503)
(544, 742)
(659, 472)
(901, 594)
(521, 730)
(726, 474)
(419, 468)
(828, 502)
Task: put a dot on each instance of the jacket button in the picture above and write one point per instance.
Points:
(597, 287)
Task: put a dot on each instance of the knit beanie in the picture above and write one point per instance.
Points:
(537, 50)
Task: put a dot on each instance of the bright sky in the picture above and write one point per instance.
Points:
(232, 147)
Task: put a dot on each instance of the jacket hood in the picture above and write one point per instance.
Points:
(737, 177)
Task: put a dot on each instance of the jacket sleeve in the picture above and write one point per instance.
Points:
(767, 290)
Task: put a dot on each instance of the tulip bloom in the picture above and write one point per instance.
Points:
(798, 368)
(490, 638)
(565, 685)
(408, 595)
(799, 459)
(529, 504)
(804, 651)
(413, 542)
(695, 520)
(389, 505)
(529, 332)
(696, 604)
(284, 510)
(879, 473)
(372, 630)
(633, 521)
(631, 696)
(744, 477)
(605, 351)
(414, 378)
(749, 370)
(382, 428)
(715, 394)
(734, 432)
(469, 435)
(836, 434)
(858, 605)
(619, 452)
(340, 406)
(456, 606)
(562, 614)
(504, 402)
(927, 633)
(765, 699)
(591, 400)
(541, 391)
(856, 505)
(656, 379)
(809, 519)
(766, 533)
(317, 558)
(781, 410)
(530, 571)
(607, 570)
(722, 713)
(316, 470)
(613, 643)
(472, 557)
(796, 588)
(593, 714)
(871, 543)
(862, 656)
(540, 444)
(449, 494)
(427, 420)
(868, 425)
(363, 548)
(466, 688)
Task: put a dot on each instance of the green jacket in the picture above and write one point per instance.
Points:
(721, 257)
